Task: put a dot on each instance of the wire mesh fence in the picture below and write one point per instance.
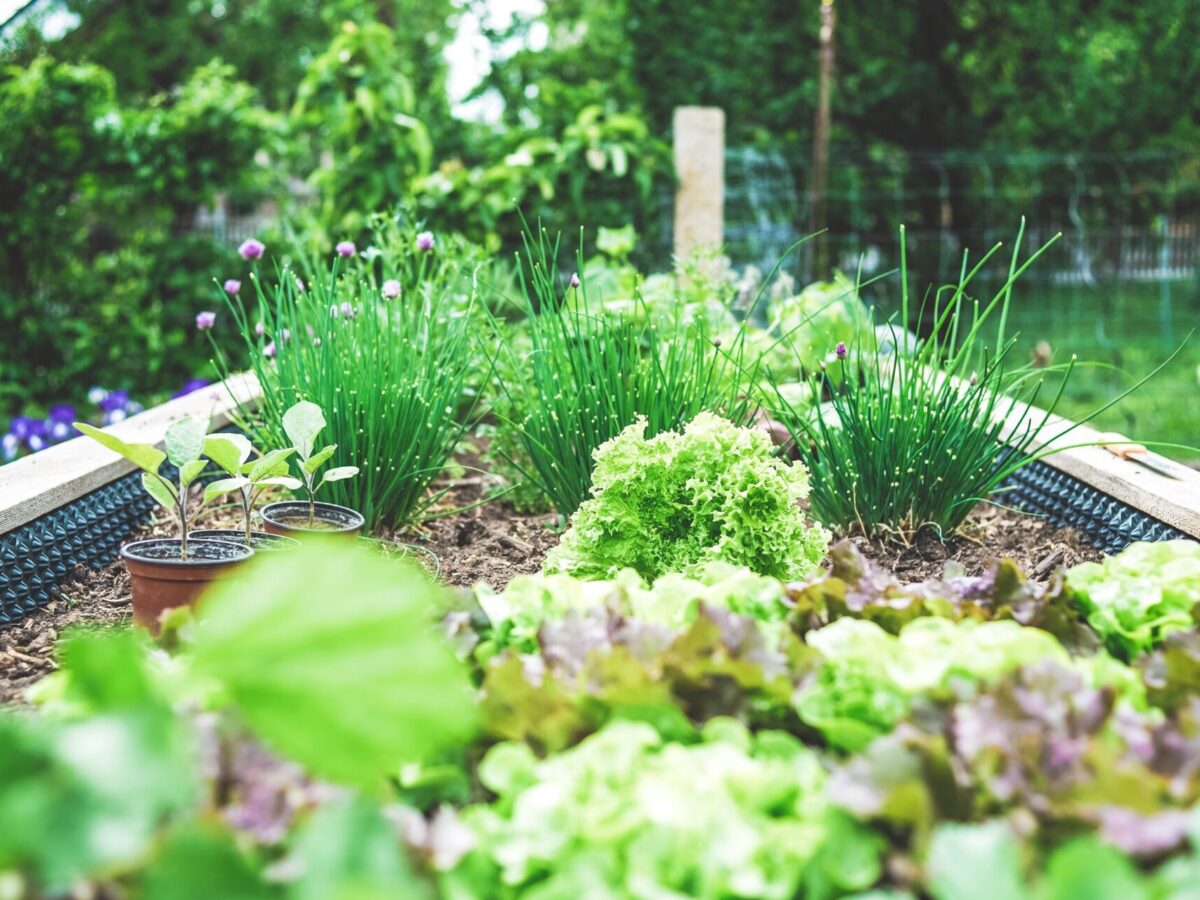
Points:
(1127, 265)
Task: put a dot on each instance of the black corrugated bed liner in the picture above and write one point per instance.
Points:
(1068, 502)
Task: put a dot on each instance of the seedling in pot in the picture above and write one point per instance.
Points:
(247, 477)
(184, 442)
(302, 423)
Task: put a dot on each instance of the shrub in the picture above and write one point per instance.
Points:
(674, 502)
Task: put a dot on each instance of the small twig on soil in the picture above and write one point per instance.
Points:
(514, 543)
(1042, 569)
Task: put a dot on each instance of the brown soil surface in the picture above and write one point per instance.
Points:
(492, 542)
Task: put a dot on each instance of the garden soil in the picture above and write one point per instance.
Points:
(470, 541)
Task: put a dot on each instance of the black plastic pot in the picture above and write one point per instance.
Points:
(259, 540)
(290, 518)
(161, 580)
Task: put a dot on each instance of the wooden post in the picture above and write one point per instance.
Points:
(820, 151)
(700, 168)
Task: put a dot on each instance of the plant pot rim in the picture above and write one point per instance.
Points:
(347, 519)
(238, 536)
(240, 553)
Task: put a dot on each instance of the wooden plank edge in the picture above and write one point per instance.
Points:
(42, 482)
(1175, 501)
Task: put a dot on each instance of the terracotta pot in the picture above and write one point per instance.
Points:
(290, 518)
(259, 540)
(162, 581)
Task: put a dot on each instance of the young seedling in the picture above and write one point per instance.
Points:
(302, 423)
(247, 477)
(184, 442)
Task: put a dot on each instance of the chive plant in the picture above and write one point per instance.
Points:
(585, 374)
(387, 354)
(916, 434)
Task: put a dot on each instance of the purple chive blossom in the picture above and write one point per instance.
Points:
(96, 395)
(269, 350)
(575, 282)
(64, 412)
(9, 447)
(347, 310)
(391, 289)
(300, 284)
(251, 249)
(425, 241)
(345, 249)
(232, 286)
(113, 416)
(840, 350)
(22, 427)
(284, 336)
(260, 329)
(205, 320)
(36, 442)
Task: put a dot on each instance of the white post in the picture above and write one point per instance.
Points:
(700, 168)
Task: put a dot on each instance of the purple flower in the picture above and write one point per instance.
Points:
(269, 350)
(60, 431)
(251, 249)
(260, 329)
(840, 350)
(347, 310)
(284, 336)
(300, 284)
(96, 395)
(205, 320)
(391, 289)
(9, 447)
(189, 386)
(36, 442)
(64, 412)
(575, 282)
(232, 286)
(22, 427)
(345, 248)
(115, 400)
(425, 241)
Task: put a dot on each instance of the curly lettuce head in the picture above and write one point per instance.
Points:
(675, 502)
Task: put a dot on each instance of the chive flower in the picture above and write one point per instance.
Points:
(347, 310)
(425, 241)
(575, 282)
(232, 286)
(345, 249)
(391, 289)
(260, 329)
(840, 350)
(205, 320)
(269, 350)
(251, 249)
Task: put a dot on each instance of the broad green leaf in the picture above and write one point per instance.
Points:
(225, 486)
(157, 488)
(1085, 867)
(203, 861)
(184, 440)
(290, 658)
(144, 456)
(350, 850)
(229, 451)
(189, 472)
(302, 423)
(318, 459)
(287, 481)
(273, 463)
(341, 473)
(975, 862)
